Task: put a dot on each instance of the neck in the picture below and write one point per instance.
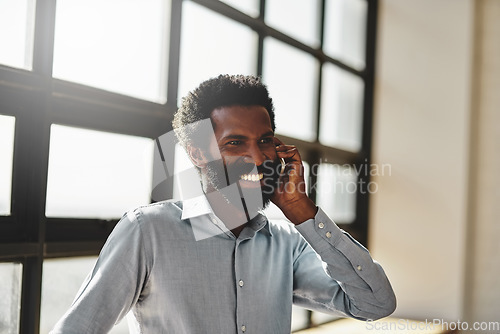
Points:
(234, 216)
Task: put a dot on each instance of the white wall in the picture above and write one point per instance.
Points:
(482, 301)
(421, 127)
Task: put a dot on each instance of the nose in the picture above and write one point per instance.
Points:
(255, 155)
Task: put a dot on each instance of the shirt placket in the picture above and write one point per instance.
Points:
(241, 289)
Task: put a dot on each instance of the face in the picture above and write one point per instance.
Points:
(244, 139)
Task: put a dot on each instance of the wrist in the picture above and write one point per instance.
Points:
(300, 211)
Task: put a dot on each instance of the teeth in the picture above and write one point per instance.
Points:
(252, 177)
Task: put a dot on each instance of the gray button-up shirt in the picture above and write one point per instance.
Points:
(175, 268)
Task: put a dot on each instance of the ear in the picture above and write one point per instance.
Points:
(197, 156)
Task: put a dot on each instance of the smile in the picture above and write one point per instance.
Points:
(252, 177)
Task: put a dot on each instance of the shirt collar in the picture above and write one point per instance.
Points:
(199, 206)
(196, 206)
(260, 222)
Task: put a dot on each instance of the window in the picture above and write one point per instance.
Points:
(10, 289)
(88, 86)
(336, 191)
(122, 47)
(341, 109)
(212, 44)
(345, 31)
(6, 152)
(293, 99)
(94, 174)
(16, 32)
(284, 15)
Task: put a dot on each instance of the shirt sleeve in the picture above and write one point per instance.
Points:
(344, 278)
(113, 286)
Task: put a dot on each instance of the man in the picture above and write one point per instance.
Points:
(214, 263)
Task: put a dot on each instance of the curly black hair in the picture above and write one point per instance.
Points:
(222, 91)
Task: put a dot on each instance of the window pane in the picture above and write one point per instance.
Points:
(249, 7)
(10, 303)
(345, 31)
(337, 187)
(297, 18)
(120, 46)
(7, 124)
(341, 109)
(292, 81)
(61, 281)
(95, 174)
(211, 45)
(17, 18)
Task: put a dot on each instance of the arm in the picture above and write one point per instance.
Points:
(355, 284)
(113, 286)
(365, 292)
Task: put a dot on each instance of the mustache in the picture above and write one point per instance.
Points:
(268, 168)
(224, 174)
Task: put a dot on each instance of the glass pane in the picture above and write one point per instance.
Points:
(297, 18)
(10, 303)
(95, 174)
(17, 18)
(345, 31)
(116, 45)
(336, 191)
(341, 109)
(250, 7)
(291, 76)
(211, 45)
(7, 124)
(61, 281)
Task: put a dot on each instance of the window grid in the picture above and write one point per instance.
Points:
(37, 101)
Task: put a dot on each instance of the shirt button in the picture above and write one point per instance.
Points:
(321, 225)
(241, 283)
(328, 234)
(243, 328)
(359, 268)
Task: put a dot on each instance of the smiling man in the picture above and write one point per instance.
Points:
(215, 263)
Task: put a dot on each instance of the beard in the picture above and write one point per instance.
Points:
(220, 175)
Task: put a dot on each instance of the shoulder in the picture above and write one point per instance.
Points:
(157, 221)
(164, 210)
(282, 228)
(287, 236)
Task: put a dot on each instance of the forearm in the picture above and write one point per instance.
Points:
(300, 211)
(361, 278)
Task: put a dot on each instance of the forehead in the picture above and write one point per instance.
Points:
(244, 119)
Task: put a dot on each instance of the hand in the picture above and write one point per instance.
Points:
(290, 195)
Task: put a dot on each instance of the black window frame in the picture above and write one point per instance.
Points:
(37, 100)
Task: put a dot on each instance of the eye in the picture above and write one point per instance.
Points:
(234, 142)
(266, 140)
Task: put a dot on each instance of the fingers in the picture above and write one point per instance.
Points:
(288, 152)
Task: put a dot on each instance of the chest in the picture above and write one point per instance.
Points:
(224, 266)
